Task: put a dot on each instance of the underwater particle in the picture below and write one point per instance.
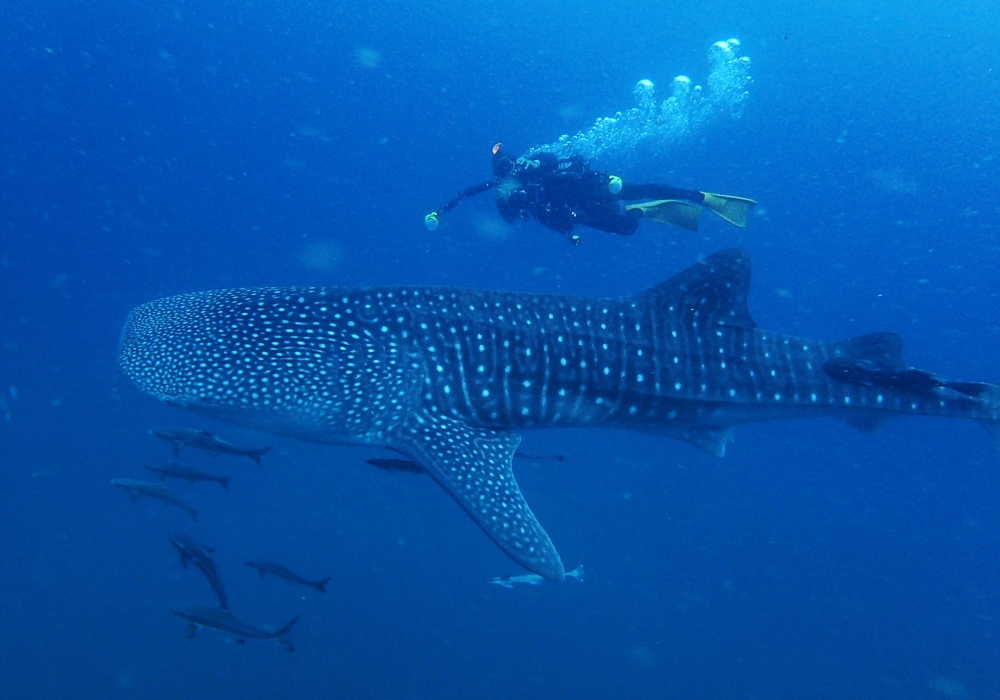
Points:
(949, 687)
(368, 58)
(492, 229)
(321, 255)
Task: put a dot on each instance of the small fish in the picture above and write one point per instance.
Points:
(411, 467)
(179, 471)
(155, 490)
(217, 619)
(204, 440)
(192, 551)
(264, 567)
(396, 465)
(532, 579)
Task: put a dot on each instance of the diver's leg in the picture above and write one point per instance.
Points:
(609, 220)
(645, 191)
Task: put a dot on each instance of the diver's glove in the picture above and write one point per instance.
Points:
(431, 221)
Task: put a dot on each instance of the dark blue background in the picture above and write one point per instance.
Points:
(149, 148)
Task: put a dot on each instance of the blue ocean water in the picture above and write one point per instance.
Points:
(162, 147)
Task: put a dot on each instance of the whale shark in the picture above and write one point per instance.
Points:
(448, 377)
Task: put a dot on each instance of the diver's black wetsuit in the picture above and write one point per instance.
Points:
(563, 192)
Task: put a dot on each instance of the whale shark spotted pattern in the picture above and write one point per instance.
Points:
(444, 376)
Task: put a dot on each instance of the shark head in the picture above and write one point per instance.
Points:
(308, 363)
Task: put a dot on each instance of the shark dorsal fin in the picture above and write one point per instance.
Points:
(712, 293)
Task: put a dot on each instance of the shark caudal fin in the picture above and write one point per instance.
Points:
(669, 211)
(735, 210)
(474, 466)
(224, 480)
(281, 636)
(255, 455)
(321, 584)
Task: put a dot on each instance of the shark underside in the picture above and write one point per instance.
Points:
(447, 376)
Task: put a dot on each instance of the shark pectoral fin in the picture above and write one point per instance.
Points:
(711, 440)
(133, 496)
(474, 466)
(192, 628)
(185, 560)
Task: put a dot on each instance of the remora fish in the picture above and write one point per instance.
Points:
(179, 471)
(444, 376)
(264, 567)
(532, 579)
(411, 467)
(190, 550)
(204, 440)
(155, 490)
(225, 621)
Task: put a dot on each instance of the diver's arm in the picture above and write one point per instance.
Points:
(431, 220)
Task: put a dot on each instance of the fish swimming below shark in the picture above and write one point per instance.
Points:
(446, 377)
(194, 551)
(532, 579)
(204, 440)
(155, 490)
(179, 471)
(264, 567)
(224, 621)
(411, 467)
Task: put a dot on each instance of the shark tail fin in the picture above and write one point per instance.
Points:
(224, 480)
(669, 211)
(255, 455)
(735, 210)
(321, 584)
(281, 636)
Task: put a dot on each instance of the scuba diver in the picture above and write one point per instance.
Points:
(563, 192)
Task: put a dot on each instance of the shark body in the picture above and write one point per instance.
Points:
(446, 376)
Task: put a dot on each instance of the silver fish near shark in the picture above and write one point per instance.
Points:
(193, 551)
(179, 471)
(204, 440)
(532, 579)
(224, 621)
(447, 376)
(155, 490)
(264, 567)
(411, 467)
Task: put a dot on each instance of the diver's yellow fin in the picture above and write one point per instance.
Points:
(733, 209)
(669, 211)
